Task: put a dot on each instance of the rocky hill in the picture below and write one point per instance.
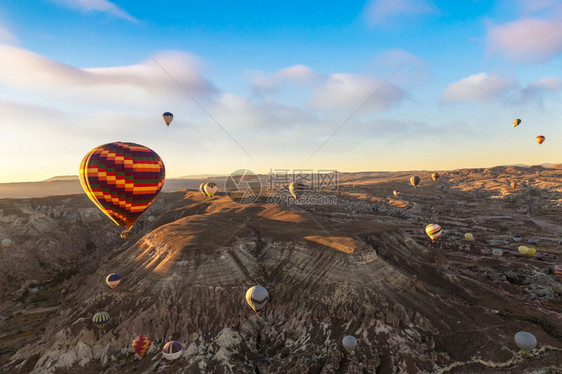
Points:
(358, 262)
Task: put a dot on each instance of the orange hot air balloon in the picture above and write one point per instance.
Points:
(141, 344)
(513, 184)
(540, 139)
(122, 179)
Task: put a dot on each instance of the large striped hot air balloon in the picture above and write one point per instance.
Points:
(433, 230)
(558, 271)
(141, 344)
(210, 189)
(257, 297)
(172, 350)
(540, 139)
(122, 179)
(100, 319)
(168, 118)
(113, 280)
(415, 180)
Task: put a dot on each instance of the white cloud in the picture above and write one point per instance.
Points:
(535, 92)
(413, 73)
(98, 6)
(478, 87)
(7, 36)
(383, 11)
(350, 91)
(297, 74)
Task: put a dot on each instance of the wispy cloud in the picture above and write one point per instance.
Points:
(297, 74)
(536, 37)
(379, 12)
(478, 87)
(104, 6)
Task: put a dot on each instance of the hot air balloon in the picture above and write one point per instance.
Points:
(468, 236)
(540, 139)
(151, 218)
(516, 238)
(516, 122)
(210, 189)
(496, 252)
(113, 280)
(525, 341)
(296, 189)
(202, 189)
(396, 193)
(435, 176)
(172, 350)
(349, 343)
(433, 230)
(6, 243)
(513, 184)
(523, 250)
(168, 118)
(141, 344)
(257, 297)
(531, 252)
(122, 179)
(100, 319)
(558, 271)
(532, 241)
(415, 180)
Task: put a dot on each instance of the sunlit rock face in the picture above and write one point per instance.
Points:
(362, 266)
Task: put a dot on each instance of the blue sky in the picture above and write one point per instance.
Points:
(280, 78)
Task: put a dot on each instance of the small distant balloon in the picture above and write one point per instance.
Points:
(141, 344)
(349, 343)
(168, 118)
(202, 189)
(435, 176)
(513, 184)
(113, 280)
(433, 230)
(6, 243)
(517, 238)
(516, 122)
(256, 297)
(210, 189)
(531, 252)
(558, 271)
(523, 250)
(100, 319)
(496, 252)
(125, 234)
(540, 139)
(151, 218)
(468, 236)
(296, 189)
(396, 193)
(172, 350)
(532, 241)
(415, 180)
(525, 341)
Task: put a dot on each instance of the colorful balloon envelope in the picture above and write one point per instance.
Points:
(122, 179)
(433, 230)
(558, 271)
(210, 189)
(540, 139)
(435, 176)
(523, 250)
(349, 343)
(202, 188)
(531, 252)
(100, 319)
(496, 252)
(525, 341)
(141, 344)
(6, 243)
(168, 118)
(172, 350)
(517, 238)
(513, 184)
(396, 193)
(296, 189)
(516, 122)
(415, 180)
(257, 297)
(468, 236)
(113, 280)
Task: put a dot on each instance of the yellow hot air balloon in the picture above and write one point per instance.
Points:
(531, 252)
(210, 189)
(516, 122)
(468, 236)
(523, 250)
(435, 176)
(433, 230)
